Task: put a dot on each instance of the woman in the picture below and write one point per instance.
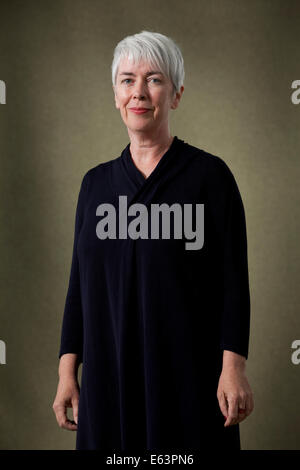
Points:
(160, 323)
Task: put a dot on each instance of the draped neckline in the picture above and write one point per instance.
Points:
(135, 174)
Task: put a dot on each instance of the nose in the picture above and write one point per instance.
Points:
(139, 90)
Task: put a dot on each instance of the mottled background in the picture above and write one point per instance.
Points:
(60, 120)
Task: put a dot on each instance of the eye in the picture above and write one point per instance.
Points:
(127, 80)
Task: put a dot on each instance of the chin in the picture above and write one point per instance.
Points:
(140, 127)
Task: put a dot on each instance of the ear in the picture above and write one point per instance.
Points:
(177, 97)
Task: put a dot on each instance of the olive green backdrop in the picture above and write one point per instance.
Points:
(59, 120)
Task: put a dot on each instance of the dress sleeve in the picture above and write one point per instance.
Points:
(72, 325)
(230, 220)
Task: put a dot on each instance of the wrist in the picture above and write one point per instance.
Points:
(233, 361)
(69, 379)
(68, 366)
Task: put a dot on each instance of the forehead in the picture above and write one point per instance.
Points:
(142, 66)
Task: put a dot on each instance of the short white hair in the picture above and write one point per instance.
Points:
(159, 50)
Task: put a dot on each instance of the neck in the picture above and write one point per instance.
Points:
(147, 150)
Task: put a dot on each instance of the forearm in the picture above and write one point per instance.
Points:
(232, 360)
(68, 366)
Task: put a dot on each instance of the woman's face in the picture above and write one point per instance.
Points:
(137, 86)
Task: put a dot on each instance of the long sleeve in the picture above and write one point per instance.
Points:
(230, 221)
(72, 325)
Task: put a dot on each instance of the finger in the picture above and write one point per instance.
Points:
(75, 409)
(223, 405)
(242, 408)
(70, 425)
(248, 408)
(241, 414)
(250, 404)
(60, 414)
(232, 412)
(62, 419)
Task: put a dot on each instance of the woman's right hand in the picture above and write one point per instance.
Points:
(67, 396)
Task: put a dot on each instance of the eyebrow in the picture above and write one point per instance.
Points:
(152, 72)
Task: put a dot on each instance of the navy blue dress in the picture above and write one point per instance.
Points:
(148, 318)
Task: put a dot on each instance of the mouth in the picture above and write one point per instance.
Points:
(139, 110)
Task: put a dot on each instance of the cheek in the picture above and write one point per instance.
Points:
(162, 100)
(122, 97)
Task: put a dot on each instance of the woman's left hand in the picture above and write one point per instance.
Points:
(234, 395)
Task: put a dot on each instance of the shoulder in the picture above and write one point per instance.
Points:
(98, 172)
(212, 166)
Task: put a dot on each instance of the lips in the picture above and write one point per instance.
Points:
(139, 110)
